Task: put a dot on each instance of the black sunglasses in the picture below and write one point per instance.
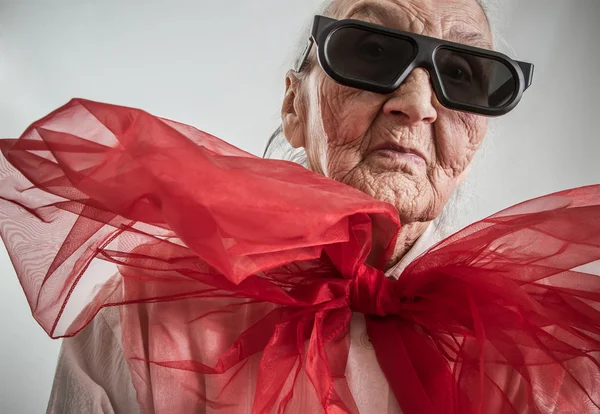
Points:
(378, 59)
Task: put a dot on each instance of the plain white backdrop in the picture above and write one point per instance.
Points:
(219, 65)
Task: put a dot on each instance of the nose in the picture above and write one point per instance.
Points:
(412, 102)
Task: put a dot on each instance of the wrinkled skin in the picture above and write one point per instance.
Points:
(340, 126)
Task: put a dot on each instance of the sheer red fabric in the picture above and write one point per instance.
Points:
(237, 276)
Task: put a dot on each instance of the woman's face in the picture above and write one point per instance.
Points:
(343, 129)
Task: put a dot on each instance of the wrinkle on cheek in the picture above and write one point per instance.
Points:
(343, 163)
(476, 128)
(339, 114)
(346, 115)
(458, 139)
(333, 137)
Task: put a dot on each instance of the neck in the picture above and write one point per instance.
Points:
(408, 235)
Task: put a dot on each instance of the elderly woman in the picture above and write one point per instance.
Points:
(373, 107)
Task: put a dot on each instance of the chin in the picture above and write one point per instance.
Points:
(407, 190)
(413, 203)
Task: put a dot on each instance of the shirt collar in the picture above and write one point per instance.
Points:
(424, 242)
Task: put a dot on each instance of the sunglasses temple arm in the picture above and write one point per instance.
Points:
(527, 69)
(300, 63)
(319, 24)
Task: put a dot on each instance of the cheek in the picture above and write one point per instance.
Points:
(458, 136)
(343, 116)
(346, 113)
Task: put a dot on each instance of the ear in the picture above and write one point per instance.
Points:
(291, 116)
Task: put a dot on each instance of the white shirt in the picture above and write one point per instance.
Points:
(92, 375)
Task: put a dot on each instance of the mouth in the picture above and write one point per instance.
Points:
(399, 153)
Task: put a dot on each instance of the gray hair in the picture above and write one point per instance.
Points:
(455, 214)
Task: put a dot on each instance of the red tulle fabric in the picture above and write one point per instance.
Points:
(237, 277)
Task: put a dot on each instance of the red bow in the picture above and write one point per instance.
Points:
(237, 277)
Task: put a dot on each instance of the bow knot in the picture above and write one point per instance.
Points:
(373, 293)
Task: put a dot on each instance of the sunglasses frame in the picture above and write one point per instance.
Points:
(425, 49)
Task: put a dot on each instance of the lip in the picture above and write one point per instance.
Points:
(397, 148)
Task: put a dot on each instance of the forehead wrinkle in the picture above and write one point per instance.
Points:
(458, 35)
(371, 10)
(390, 17)
(379, 14)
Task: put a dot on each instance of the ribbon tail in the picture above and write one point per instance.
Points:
(296, 376)
(326, 361)
(418, 374)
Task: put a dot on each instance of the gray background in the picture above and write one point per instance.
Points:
(219, 65)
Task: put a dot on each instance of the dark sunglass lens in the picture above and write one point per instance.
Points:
(368, 56)
(475, 80)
